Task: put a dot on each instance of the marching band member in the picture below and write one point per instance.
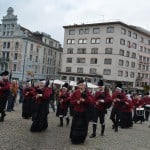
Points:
(4, 93)
(28, 92)
(118, 101)
(41, 106)
(102, 102)
(138, 103)
(64, 104)
(146, 100)
(80, 100)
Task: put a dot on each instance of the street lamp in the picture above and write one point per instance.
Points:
(24, 61)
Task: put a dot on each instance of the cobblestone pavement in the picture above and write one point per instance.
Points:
(15, 135)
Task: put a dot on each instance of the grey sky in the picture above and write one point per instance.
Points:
(50, 15)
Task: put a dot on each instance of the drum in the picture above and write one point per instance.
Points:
(147, 108)
(140, 111)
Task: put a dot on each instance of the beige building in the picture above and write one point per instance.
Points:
(113, 51)
(27, 54)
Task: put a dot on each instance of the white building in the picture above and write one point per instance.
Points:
(113, 51)
(27, 54)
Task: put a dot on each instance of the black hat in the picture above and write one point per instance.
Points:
(80, 81)
(65, 85)
(100, 83)
(5, 73)
(28, 81)
(119, 85)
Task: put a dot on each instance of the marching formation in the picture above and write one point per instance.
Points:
(78, 102)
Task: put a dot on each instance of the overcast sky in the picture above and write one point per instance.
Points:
(50, 15)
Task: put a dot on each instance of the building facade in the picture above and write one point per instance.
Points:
(113, 51)
(27, 54)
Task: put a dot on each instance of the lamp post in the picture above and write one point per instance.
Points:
(24, 61)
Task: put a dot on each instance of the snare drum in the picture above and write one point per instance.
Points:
(140, 111)
(147, 108)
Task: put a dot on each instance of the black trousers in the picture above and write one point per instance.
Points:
(99, 114)
(3, 102)
(115, 116)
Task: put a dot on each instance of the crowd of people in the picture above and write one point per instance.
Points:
(79, 103)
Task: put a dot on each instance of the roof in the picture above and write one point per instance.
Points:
(136, 28)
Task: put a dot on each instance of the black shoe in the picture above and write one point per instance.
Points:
(113, 126)
(116, 129)
(92, 135)
(2, 119)
(67, 121)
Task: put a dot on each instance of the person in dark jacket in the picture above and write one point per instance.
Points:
(102, 102)
(4, 93)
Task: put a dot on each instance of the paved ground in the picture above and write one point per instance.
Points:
(15, 135)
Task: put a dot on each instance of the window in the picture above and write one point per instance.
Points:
(70, 41)
(95, 40)
(122, 41)
(123, 31)
(86, 31)
(94, 51)
(127, 63)
(15, 56)
(93, 71)
(71, 32)
(81, 51)
(80, 60)
(110, 29)
(107, 61)
(144, 59)
(148, 51)
(93, 61)
(70, 51)
(37, 50)
(121, 52)
(120, 73)
(81, 31)
(134, 55)
(121, 62)
(8, 45)
(71, 78)
(132, 64)
(36, 59)
(31, 48)
(82, 41)
(69, 60)
(141, 48)
(148, 59)
(108, 50)
(140, 66)
(107, 72)
(129, 44)
(4, 45)
(134, 35)
(109, 40)
(148, 42)
(126, 73)
(132, 74)
(96, 30)
(134, 45)
(79, 70)
(16, 45)
(15, 67)
(129, 33)
(68, 69)
(142, 40)
(127, 54)
(145, 49)
(30, 57)
(140, 58)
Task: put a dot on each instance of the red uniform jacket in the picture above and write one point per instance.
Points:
(4, 88)
(121, 96)
(28, 92)
(64, 100)
(105, 96)
(82, 106)
(128, 106)
(146, 100)
(138, 103)
(46, 92)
